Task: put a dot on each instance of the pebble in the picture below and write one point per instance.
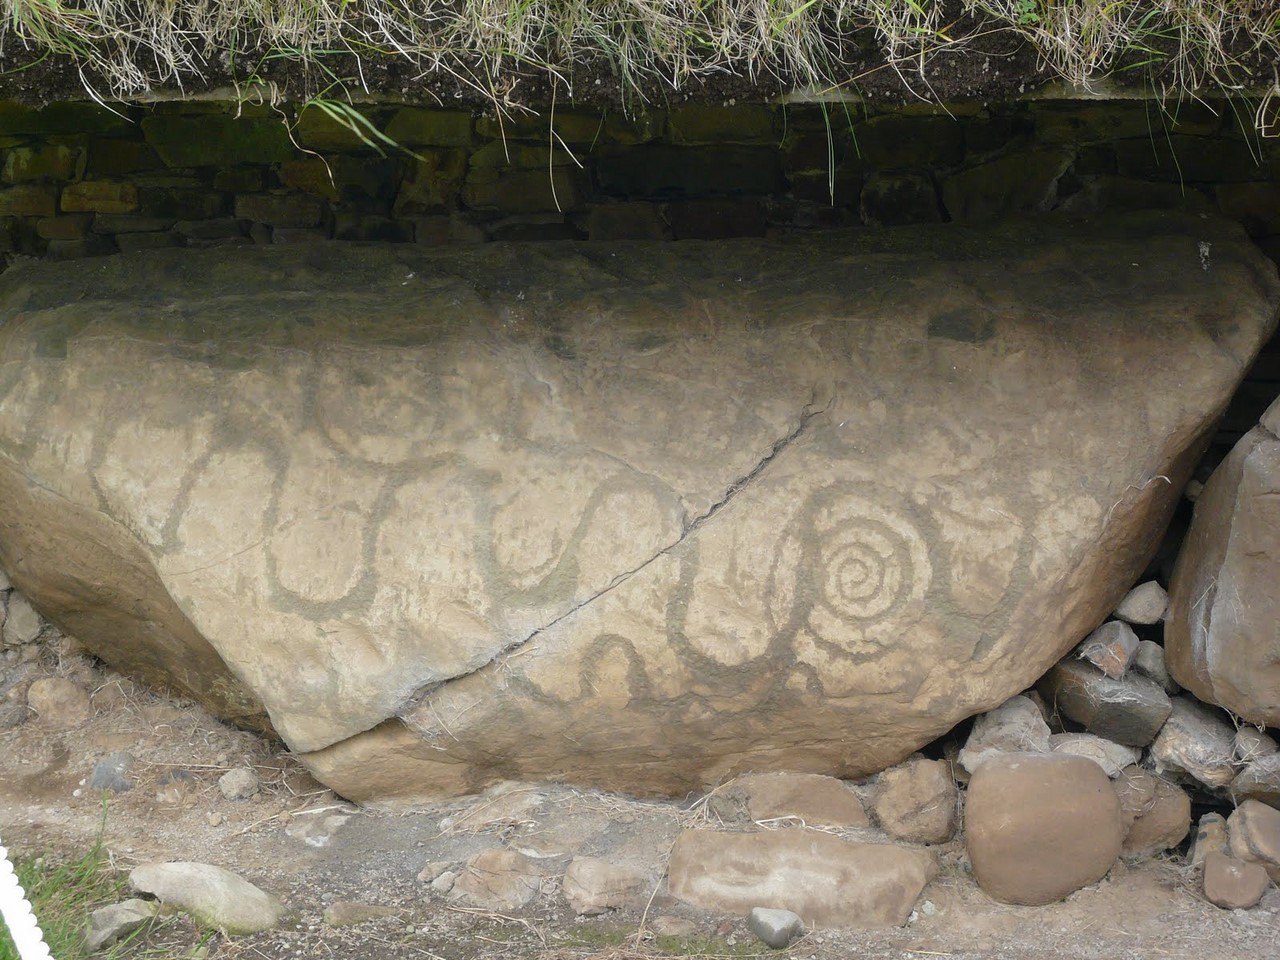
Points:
(444, 883)
(1111, 648)
(23, 624)
(214, 819)
(1145, 604)
(112, 772)
(58, 703)
(777, 928)
(239, 784)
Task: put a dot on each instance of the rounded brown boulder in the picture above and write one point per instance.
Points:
(1039, 827)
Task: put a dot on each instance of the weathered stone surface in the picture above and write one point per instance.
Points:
(1260, 780)
(1145, 603)
(769, 516)
(1111, 648)
(1038, 827)
(1220, 636)
(593, 886)
(1016, 726)
(828, 882)
(1111, 757)
(1253, 834)
(108, 924)
(498, 880)
(219, 141)
(817, 800)
(1196, 741)
(1233, 884)
(1252, 744)
(239, 784)
(21, 623)
(210, 894)
(59, 703)
(1156, 814)
(1211, 835)
(917, 801)
(1130, 711)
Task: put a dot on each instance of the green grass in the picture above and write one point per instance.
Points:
(122, 47)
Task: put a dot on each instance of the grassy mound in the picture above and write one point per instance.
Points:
(486, 47)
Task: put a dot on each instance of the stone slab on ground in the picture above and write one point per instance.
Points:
(592, 886)
(778, 474)
(210, 894)
(828, 882)
(110, 923)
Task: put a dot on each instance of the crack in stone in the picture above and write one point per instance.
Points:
(807, 416)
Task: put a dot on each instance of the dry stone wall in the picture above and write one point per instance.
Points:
(78, 179)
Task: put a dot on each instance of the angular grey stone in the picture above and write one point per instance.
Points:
(22, 624)
(1260, 780)
(1110, 648)
(1110, 756)
(1145, 603)
(239, 784)
(112, 772)
(108, 924)
(1196, 741)
(777, 928)
(1149, 662)
(1128, 711)
(210, 894)
(1016, 726)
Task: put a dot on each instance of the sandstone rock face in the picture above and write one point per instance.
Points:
(1221, 641)
(826, 881)
(641, 517)
(1038, 827)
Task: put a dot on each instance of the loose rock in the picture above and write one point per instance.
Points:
(1252, 744)
(1038, 827)
(1233, 884)
(828, 882)
(1145, 603)
(1129, 711)
(917, 801)
(593, 886)
(1260, 780)
(1016, 726)
(433, 870)
(1111, 648)
(1198, 742)
(1111, 757)
(210, 894)
(112, 772)
(816, 800)
(239, 784)
(58, 703)
(777, 928)
(1149, 662)
(108, 924)
(1211, 834)
(1156, 814)
(499, 880)
(444, 883)
(1253, 834)
(22, 624)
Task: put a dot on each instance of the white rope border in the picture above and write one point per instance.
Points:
(17, 913)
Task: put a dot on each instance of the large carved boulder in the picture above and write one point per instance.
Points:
(639, 516)
(1221, 639)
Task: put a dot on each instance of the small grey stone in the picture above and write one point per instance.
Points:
(777, 928)
(23, 624)
(1145, 603)
(109, 924)
(239, 784)
(112, 772)
(444, 883)
(1149, 662)
(433, 870)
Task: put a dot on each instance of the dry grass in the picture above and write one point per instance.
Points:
(129, 46)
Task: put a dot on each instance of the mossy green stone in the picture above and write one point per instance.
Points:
(28, 200)
(217, 141)
(699, 123)
(67, 117)
(570, 127)
(100, 196)
(316, 129)
(53, 162)
(422, 127)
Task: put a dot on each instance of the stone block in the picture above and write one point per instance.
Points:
(592, 886)
(1196, 741)
(1149, 662)
(100, 196)
(575, 127)
(28, 200)
(911, 143)
(1016, 184)
(129, 223)
(1111, 648)
(217, 140)
(498, 880)
(1190, 159)
(1016, 726)
(426, 127)
(280, 209)
(91, 246)
(70, 118)
(1144, 604)
(117, 158)
(49, 162)
(917, 801)
(525, 191)
(896, 199)
(316, 129)
(432, 184)
(659, 171)
(355, 226)
(627, 221)
(133, 242)
(242, 179)
(181, 202)
(73, 226)
(1130, 711)
(716, 218)
(708, 123)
